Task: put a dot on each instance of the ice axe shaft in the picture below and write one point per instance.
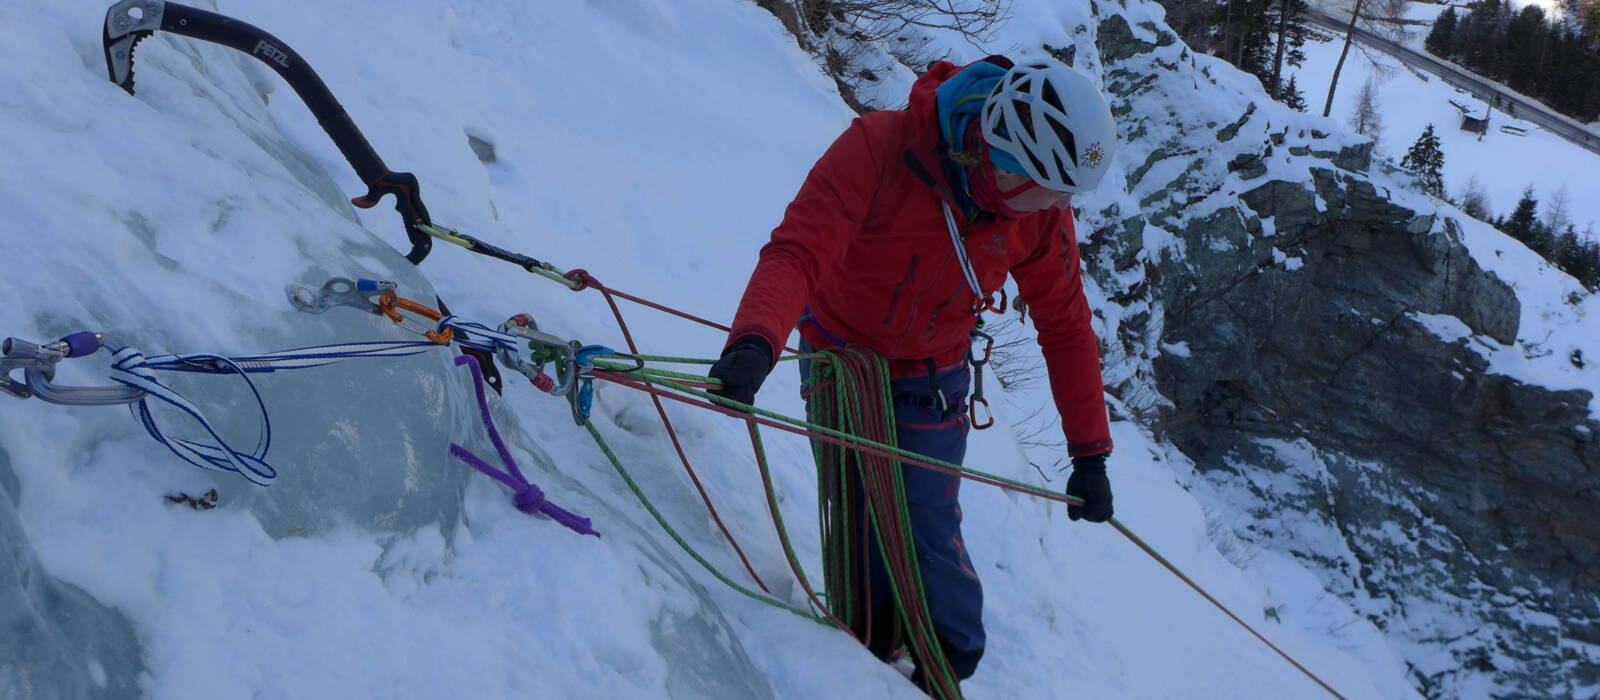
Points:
(130, 21)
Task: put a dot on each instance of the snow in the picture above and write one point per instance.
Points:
(1505, 164)
(1556, 325)
(1557, 315)
(654, 144)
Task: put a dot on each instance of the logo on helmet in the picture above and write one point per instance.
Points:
(1093, 155)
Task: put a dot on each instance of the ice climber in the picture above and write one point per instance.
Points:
(898, 236)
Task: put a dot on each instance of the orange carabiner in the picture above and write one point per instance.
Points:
(972, 412)
(989, 305)
(390, 300)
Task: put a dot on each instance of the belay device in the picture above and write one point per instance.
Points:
(130, 21)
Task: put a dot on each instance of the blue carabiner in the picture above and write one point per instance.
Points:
(585, 359)
(587, 353)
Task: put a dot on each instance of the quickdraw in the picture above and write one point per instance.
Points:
(977, 398)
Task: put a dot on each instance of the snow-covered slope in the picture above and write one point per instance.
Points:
(654, 144)
(1502, 163)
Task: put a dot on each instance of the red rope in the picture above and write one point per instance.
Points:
(583, 278)
(879, 487)
(1153, 554)
(584, 281)
(630, 382)
(868, 449)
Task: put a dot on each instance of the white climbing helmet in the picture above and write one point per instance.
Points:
(1054, 122)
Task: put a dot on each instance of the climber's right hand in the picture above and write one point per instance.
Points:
(744, 365)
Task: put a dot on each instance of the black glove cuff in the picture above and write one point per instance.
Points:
(753, 342)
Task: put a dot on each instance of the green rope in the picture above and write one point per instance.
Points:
(555, 274)
(847, 437)
(703, 361)
(845, 399)
(645, 500)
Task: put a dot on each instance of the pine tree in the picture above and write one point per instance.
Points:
(1579, 257)
(1480, 36)
(1441, 40)
(1244, 36)
(1288, 20)
(1569, 253)
(1523, 50)
(1589, 267)
(1427, 160)
(1524, 224)
(1292, 96)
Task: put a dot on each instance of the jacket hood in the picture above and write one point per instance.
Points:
(950, 96)
(924, 101)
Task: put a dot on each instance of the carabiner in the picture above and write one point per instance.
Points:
(523, 326)
(989, 305)
(977, 398)
(390, 300)
(972, 412)
(38, 363)
(988, 348)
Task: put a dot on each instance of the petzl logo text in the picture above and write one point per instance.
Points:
(273, 53)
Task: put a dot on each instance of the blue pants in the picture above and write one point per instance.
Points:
(950, 584)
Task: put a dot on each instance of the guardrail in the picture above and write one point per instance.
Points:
(1514, 105)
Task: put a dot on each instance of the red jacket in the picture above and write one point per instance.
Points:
(865, 246)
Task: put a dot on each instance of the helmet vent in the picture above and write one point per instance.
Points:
(1051, 97)
(1065, 135)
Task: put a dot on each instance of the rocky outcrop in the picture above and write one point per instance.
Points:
(1329, 353)
(1338, 352)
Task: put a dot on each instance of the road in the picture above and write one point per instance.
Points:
(1484, 89)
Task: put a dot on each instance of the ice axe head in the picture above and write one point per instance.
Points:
(128, 22)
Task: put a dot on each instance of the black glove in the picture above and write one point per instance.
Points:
(743, 367)
(1089, 482)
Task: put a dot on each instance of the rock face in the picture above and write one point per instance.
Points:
(1313, 378)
